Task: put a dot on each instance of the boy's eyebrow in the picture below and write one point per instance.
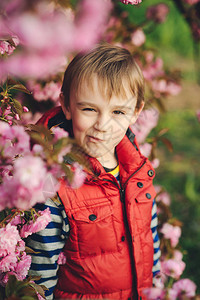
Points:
(114, 107)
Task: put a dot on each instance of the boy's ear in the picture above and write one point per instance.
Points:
(66, 110)
(137, 113)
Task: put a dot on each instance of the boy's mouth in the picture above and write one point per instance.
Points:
(94, 139)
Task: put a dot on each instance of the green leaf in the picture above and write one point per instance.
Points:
(29, 250)
(29, 297)
(68, 172)
(167, 143)
(34, 278)
(41, 129)
(10, 287)
(10, 81)
(163, 131)
(39, 288)
(19, 87)
(38, 139)
(17, 106)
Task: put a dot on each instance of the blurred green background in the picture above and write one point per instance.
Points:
(179, 171)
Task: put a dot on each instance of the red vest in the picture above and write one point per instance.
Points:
(110, 247)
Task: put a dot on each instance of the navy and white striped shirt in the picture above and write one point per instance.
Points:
(50, 242)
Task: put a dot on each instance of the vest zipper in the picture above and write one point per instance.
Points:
(129, 236)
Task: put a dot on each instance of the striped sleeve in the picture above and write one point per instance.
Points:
(49, 243)
(156, 241)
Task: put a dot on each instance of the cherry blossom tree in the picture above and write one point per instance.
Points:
(37, 39)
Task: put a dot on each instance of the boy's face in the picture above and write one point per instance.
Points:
(98, 124)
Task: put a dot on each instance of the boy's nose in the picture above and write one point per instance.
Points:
(102, 123)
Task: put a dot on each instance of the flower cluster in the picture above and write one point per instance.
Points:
(31, 175)
(133, 2)
(13, 259)
(157, 13)
(8, 46)
(48, 32)
(22, 178)
(50, 90)
(192, 2)
(167, 284)
(182, 289)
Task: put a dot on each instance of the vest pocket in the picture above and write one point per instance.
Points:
(95, 231)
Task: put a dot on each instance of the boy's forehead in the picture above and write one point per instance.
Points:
(94, 84)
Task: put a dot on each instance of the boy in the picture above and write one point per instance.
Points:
(107, 227)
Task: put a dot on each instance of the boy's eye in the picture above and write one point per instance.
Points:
(118, 112)
(88, 109)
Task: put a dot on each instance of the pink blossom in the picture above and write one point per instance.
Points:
(172, 268)
(173, 88)
(30, 171)
(171, 294)
(17, 220)
(30, 118)
(153, 68)
(155, 163)
(133, 2)
(6, 47)
(9, 237)
(146, 149)
(22, 267)
(138, 37)
(198, 115)
(40, 297)
(48, 33)
(93, 14)
(171, 232)
(148, 55)
(164, 197)
(162, 86)
(184, 287)
(4, 277)
(34, 226)
(57, 172)
(15, 195)
(10, 6)
(17, 117)
(196, 31)
(25, 109)
(78, 176)
(33, 65)
(147, 120)
(14, 139)
(59, 133)
(61, 259)
(8, 263)
(192, 2)
(63, 152)
(157, 12)
(51, 90)
(38, 150)
(154, 293)
(50, 184)
(178, 256)
(25, 188)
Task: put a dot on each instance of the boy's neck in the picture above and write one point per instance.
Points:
(110, 163)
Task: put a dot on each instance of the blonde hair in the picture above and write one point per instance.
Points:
(114, 67)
